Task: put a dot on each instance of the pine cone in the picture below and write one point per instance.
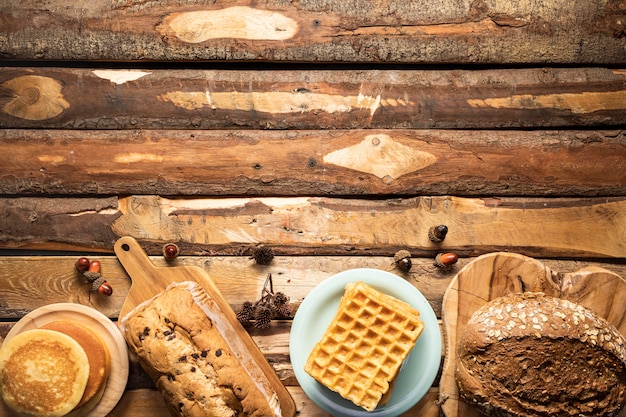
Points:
(263, 255)
(283, 311)
(280, 298)
(246, 313)
(263, 317)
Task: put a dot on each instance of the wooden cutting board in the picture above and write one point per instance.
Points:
(497, 274)
(149, 280)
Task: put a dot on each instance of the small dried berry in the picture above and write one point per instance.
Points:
(438, 233)
(82, 264)
(170, 251)
(403, 261)
(446, 260)
(263, 255)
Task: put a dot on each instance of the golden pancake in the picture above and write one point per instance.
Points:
(97, 354)
(43, 373)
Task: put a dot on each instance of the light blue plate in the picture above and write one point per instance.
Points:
(317, 311)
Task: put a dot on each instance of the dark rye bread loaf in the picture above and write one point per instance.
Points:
(534, 355)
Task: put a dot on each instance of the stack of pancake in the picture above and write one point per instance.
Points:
(58, 369)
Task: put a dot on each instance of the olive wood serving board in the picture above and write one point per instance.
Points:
(496, 274)
(148, 280)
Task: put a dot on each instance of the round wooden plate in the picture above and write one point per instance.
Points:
(104, 327)
(497, 274)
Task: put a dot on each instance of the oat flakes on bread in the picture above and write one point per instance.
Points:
(529, 354)
(196, 358)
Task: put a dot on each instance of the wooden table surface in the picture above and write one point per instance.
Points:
(334, 132)
(32, 281)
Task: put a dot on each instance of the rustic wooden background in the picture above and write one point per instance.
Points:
(336, 132)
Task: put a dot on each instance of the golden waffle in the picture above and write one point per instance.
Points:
(363, 347)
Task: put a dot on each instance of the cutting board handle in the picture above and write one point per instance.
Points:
(131, 254)
(145, 279)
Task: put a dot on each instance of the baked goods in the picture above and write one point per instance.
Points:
(364, 346)
(43, 373)
(196, 358)
(529, 354)
(98, 357)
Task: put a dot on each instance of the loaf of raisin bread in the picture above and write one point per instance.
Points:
(195, 357)
(529, 354)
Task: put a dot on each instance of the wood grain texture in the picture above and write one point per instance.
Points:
(497, 274)
(29, 282)
(576, 227)
(328, 98)
(339, 162)
(335, 131)
(534, 31)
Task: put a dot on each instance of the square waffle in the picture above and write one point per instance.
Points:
(364, 345)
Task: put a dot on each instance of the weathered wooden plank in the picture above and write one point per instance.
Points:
(29, 282)
(540, 227)
(346, 162)
(311, 99)
(488, 32)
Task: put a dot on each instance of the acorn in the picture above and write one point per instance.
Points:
(82, 264)
(105, 289)
(438, 233)
(445, 261)
(101, 285)
(95, 266)
(92, 276)
(263, 255)
(170, 251)
(403, 260)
